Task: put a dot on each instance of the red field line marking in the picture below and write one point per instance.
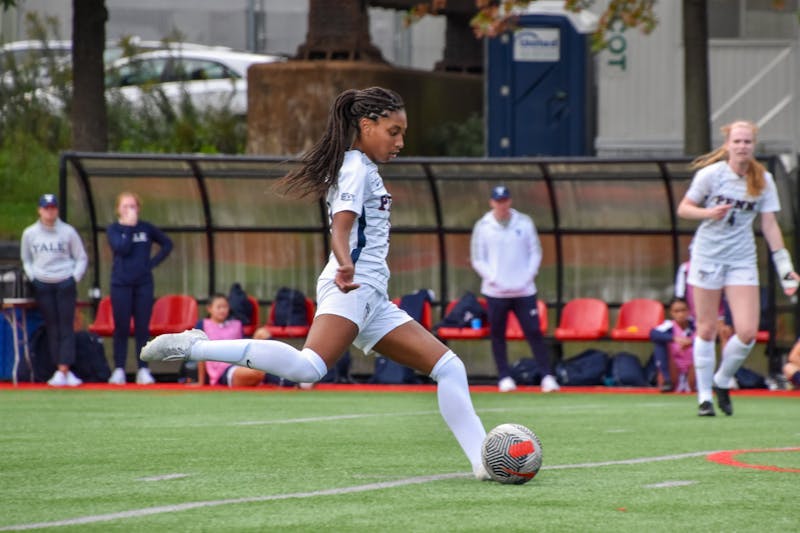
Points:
(727, 458)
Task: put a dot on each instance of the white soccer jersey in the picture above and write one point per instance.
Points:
(729, 241)
(360, 189)
(507, 257)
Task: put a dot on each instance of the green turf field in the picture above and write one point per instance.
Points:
(288, 460)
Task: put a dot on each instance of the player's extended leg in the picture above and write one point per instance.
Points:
(273, 357)
(412, 345)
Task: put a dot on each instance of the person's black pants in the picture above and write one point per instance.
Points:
(56, 302)
(131, 301)
(525, 308)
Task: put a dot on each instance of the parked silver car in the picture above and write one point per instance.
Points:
(210, 78)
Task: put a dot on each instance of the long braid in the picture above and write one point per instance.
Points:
(319, 167)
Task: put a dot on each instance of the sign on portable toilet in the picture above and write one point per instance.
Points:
(540, 85)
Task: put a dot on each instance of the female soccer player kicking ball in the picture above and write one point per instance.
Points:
(365, 127)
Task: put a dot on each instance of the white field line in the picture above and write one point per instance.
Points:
(148, 511)
(335, 418)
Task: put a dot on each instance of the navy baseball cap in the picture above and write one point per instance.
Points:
(48, 200)
(500, 192)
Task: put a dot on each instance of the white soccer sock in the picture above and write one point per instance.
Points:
(704, 358)
(273, 357)
(733, 356)
(456, 407)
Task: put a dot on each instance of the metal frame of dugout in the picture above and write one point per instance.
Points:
(608, 226)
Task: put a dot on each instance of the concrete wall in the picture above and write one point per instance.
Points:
(288, 103)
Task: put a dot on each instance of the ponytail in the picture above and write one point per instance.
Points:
(319, 167)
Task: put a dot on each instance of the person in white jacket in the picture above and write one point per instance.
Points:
(506, 254)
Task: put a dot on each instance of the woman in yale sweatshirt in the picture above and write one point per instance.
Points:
(54, 260)
(132, 288)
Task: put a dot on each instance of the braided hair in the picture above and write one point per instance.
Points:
(319, 166)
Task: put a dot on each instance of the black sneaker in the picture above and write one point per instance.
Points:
(724, 400)
(667, 386)
(706, 409)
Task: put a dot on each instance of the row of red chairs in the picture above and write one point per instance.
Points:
(582, 319)
(174, 313)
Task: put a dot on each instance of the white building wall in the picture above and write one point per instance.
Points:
(640, 89)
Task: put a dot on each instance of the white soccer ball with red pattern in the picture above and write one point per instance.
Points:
(512, 454)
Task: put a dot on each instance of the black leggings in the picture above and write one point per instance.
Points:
(56, 302)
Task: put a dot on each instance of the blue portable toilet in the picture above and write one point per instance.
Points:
(540, 86)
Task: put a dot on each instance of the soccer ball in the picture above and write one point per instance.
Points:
(512, 454)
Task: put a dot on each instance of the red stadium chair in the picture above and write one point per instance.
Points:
(173, 313)
(103, 324)
(255, 318)
(762, 336)
(583, 319)
(636, 318)
(427, 318)
(514, 330)
(288, 332)
(453, 333)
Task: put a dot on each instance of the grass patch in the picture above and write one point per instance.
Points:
(309, 460)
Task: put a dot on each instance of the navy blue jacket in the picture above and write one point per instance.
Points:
(132, 248)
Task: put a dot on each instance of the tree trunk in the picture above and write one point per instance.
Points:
(696, 108)
(338, 30)
(89, 116)
(463, 52)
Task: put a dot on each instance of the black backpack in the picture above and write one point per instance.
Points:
(91, 364)
(43, 365)
(586, 368)
(290, 308)
(241, 306)
(526, 372)
(467, 308)
(627, 371)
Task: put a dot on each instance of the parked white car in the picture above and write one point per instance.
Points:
(210, 78)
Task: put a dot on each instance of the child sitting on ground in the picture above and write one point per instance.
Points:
(672, 351)
(218, 326)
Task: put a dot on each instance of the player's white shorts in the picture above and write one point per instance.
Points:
(710, 275)
(370, 310)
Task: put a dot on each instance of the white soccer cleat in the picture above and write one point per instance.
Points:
(144, 377)
(172, 346)
(507, 384)
(549, 384)
(59, 379)
(480, 473)
(73, 380)
(117, 377)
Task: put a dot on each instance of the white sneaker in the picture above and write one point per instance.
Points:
(305, 385)
(59, 379)
(480, 473)
(172, 346)
(549, 384)
(117, 377)
(507, 384)
(144, 377)
(73, 380)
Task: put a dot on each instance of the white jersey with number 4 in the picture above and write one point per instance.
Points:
(729, 241)
(360, 189)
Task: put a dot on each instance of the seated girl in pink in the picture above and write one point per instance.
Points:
(672, 348)
(219, 327)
